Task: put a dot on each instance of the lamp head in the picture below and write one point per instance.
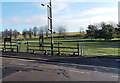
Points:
(42, 4)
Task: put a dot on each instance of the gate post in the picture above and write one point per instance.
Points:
(81, 50)
(58, 48)
(27, 46)
(78, 47)
(11, 46)
(17, 46)
(4, 46)
(7, 40)
(41, 43)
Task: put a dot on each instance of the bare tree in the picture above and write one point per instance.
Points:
(81, 32)
(61, 30)
(24, 33)
(35, 31)
(40, 31)
(10, 33)
(2, 33)
(46, 31)
(5, 33)
(15, 33)
(30, 33)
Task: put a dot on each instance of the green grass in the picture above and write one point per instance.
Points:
(91, 48)
(95, 47)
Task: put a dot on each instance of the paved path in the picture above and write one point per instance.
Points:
(34, 70)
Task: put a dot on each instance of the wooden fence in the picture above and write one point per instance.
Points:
(59, 49)
(10, 47)
(43, 48)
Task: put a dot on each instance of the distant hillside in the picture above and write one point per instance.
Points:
(54, 34)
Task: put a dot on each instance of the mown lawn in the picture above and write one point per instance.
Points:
(94, 47)
(91, 48)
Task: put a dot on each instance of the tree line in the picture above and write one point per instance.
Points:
(10, 33)
(102, 30)
(33, 32)
(37, 32)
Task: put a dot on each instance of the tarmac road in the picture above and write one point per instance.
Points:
(14, 69)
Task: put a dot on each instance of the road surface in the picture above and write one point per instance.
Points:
(14, 69)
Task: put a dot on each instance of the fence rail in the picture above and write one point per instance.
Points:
(58, 48)
(10, 47)
(77, 48)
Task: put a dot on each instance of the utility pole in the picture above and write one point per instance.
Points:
(49, 11)
(52, 46)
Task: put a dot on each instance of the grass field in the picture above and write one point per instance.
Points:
(91, 48)
(95, 47)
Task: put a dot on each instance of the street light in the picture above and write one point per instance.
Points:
(42, 4)
(49, 12)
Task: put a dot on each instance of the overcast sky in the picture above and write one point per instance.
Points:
(72, 14)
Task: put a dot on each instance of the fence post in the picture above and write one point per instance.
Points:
(58, 48)
(27, 46)
(43, 46)
(17, 46)
(78, 47)
(4, 46)
(82, 50)
(39, 44)
(11, 46)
